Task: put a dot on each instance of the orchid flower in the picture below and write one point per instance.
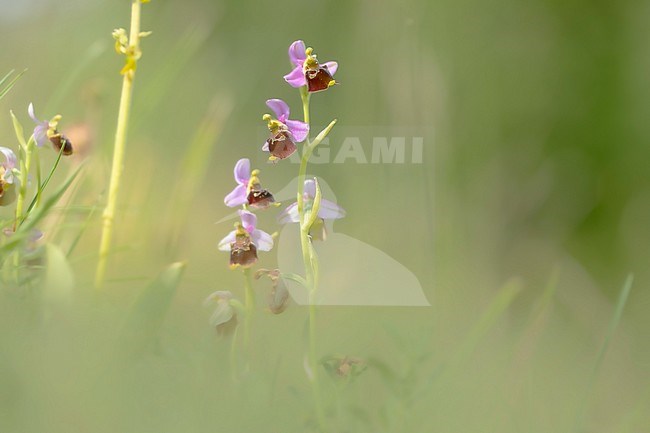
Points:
(284, 131)
(7, 178)
(245, 240)
(248, 190)
(308, 72)
(327, 210)
(224, 317)
(7, 167)
(44, 131)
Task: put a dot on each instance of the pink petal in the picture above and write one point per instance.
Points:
(331, 67)
(237, 197)
(298, 129)
(243, 171)
(289, 215)
(329, 210)
(265, 147)
(40, 131)
(296, 78)
(30, 111)
(10, 157)
(40, 134)
(262, 240)
(224, 244)
(297, 53)
(280, 108)
(248, 220)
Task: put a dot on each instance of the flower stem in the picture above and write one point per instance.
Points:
(310, 261)
(24, 178)
(22, 193)
(118, 149)
(306, 153)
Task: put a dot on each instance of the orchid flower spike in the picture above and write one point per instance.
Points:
(245, 240)
(44, 131)
(327, 210)
(7, 178)
(248, 190)
(307, 71)
(284, 131)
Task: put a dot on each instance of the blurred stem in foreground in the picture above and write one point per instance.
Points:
(130, 47)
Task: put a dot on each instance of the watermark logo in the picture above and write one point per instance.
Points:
(372, 145)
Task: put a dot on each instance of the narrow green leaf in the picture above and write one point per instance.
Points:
(18, 128)
(321, 136)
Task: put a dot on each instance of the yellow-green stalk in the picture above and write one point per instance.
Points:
(130, 47)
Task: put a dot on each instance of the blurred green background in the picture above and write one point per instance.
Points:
(535, 177)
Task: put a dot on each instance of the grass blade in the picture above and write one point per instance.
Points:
(6, 77)
(8, 87)
(611, 329)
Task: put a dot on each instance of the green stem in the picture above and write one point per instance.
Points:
(310, 262)
(25, 166)
(118, 148)
(24, 178)
(306, 153)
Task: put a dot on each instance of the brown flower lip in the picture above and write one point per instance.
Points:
(59, 141)
(242, 252)
(260, 198)
(281, 145)
(319, 79)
